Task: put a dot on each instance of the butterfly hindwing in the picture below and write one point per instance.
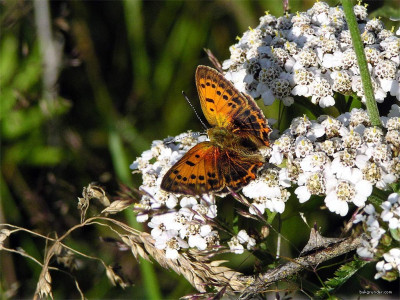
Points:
(238, 170)
(251, 122)
(196, 172)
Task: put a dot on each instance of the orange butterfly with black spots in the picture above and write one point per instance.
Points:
(231, 158)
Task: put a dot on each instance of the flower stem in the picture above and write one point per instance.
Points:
(372, 108)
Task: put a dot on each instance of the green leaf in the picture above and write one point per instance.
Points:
(8, 100)
(341, 276)
(386, 12)
(45, 156)
(271, 216)
(19, 122)
(29, 75)
(8, 59)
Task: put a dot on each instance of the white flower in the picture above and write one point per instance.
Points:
(367, 250)
(171, 243)
(237, 78)
(268, 192)
(310, 183)
(391, 262)
(188, 201)
(260, 188)
(302, 193)
(341, 192)
(303, 146)
(370, 244)
(235, 245)
(322, 92)
(242, 236)
(391, 211)
(332, 61)
(268, 97)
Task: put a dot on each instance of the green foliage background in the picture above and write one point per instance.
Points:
(124, 65)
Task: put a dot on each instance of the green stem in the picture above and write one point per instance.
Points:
(372, 108)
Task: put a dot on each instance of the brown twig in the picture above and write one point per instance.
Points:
(263, 281)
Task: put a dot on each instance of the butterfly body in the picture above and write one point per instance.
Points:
(231, 158)
(226, 140)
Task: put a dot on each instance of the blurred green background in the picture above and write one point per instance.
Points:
(81, 107)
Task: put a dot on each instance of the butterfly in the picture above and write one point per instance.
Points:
(231, 158)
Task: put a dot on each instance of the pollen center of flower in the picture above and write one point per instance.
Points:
(315, 184)
(194, 229)
(173, 244)
(347, 157)
(345, 191)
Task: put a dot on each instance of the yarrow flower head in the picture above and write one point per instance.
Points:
(310, 54)
(339, 159)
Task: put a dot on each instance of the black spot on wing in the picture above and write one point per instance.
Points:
(236, 100)
(212, 182)
(211, 174)
(210, 100)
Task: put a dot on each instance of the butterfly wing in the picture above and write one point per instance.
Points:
(224, 106)
(196, 172)
(237, 170)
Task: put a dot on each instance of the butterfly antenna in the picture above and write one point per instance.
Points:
(197, 115)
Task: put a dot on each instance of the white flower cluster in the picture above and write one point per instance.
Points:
(377, 225)
(340, 159)
(390, 265)
(311, 54)
(375, 232)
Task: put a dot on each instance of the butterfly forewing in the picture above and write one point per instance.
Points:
(196, 172)
(224, 106)
(219, 99)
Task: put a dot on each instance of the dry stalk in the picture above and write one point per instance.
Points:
(261, 282)
(200, 272)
